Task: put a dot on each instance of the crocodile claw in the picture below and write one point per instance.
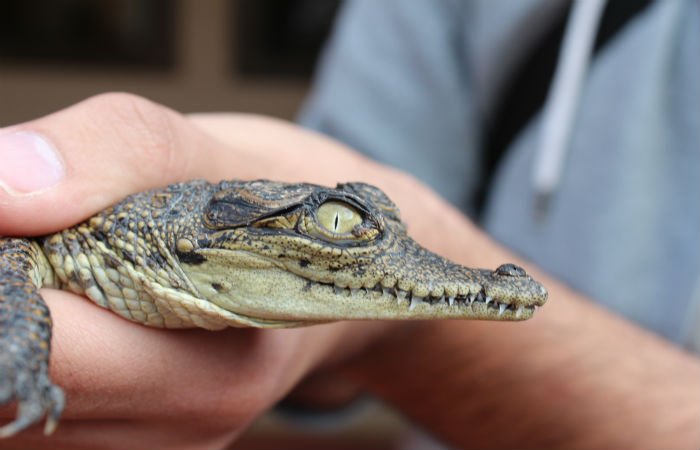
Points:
(35, 394)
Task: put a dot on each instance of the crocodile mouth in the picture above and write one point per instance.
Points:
(265, 289)
(477, 302)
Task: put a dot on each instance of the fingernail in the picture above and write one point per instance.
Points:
(28, 162)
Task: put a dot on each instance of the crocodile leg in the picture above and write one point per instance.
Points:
(25, 338)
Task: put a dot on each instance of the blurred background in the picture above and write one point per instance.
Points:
(215, 55)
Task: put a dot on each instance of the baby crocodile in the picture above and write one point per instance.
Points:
(237, 253)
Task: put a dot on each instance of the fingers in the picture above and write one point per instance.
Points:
(62, 168)
(110, 367)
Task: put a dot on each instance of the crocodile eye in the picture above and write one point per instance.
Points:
(338, 218)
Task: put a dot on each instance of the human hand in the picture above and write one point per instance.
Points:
(130, 386)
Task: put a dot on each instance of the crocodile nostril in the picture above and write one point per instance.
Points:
(510, 270)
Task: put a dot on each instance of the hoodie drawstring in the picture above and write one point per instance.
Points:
(562, 101)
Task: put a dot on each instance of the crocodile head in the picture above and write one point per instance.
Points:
(281, 254)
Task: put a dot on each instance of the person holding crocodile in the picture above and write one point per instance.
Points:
(191, 389)
(575, 376)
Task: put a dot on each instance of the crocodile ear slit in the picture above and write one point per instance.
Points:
(223, 214)
(240, 204)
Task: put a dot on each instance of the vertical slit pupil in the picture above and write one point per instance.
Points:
(337, 218)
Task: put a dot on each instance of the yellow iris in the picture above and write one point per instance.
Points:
(338, 218)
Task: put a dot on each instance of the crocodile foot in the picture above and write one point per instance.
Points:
(34, 393)
(25, 340)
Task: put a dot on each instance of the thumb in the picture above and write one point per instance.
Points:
(62, 168)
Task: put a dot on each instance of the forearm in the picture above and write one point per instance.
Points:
(575, 376)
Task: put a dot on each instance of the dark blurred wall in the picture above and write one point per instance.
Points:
(213, 55)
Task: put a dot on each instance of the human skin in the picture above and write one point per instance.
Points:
(573, 377)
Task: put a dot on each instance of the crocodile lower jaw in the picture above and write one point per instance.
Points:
(267, 292)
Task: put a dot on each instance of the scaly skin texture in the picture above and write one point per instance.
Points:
(256, 253)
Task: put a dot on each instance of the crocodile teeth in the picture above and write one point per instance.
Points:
(519, 312)
(414, 302)
(401, 295)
